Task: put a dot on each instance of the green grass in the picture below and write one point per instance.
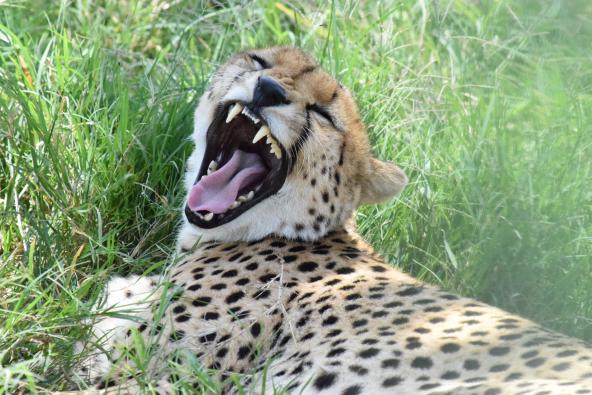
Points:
(486, 105)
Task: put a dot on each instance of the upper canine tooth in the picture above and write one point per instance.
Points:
(263, 131)
(208, 216)
(234, 111)
(250, 195)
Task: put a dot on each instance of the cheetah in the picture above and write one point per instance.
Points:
(274, 288)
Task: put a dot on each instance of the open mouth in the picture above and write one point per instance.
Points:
(243, 164)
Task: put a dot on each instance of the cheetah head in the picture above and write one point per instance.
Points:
(279, 149)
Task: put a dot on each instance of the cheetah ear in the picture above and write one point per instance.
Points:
(382, 181)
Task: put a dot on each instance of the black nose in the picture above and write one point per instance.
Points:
(269, 93)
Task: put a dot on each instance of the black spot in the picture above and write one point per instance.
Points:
(324, 308)
(335, 352)
(499, 368)
(450, 347)
(252, 266)
(218, 287)
(229, 273)
(325, 197)
(429, 386)
(566, 353)
(290, 258)
(235, 297)
(421, 363)
(344, 270)
(410, 291)
(324, 381)
(535, 363)
(513, 376)
(333, 333)
(308, 336)
(176, 335)
(194, 287)
(255, 329)
(358, 323)
(307, 266)
(179, 309)
(211, 315)
(450, 375)
(369, 352)
(330, 320)
(391, 382)
(529, 354)
(400, 321)
(352, 390)
(359, 370)
(183, 318)
(243, 352)
(210, 337)
(471, 364)
(499, 351)
(333, 282)
(378, 269)
(267, 278)
(378, 314)
(390, 363)
(242, 281)
(262, 295)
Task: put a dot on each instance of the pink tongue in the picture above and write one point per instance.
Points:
(216, 192)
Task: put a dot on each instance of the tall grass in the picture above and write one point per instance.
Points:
(486, 105)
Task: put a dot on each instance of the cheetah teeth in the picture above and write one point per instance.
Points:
(212, 167)
(265, 132)
(241, 199)
(208, 216)
(234, 111)
(250, 115)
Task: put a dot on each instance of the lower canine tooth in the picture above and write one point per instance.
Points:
(250, 195)
(242, 198)
(235, 204)
(208, 216)
(276, 150)
(234, 111)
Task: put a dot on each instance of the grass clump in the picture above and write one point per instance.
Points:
(487, 106)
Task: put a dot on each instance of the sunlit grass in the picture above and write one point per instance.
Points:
(487, 106)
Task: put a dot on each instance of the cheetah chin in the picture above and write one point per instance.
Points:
(243, 165)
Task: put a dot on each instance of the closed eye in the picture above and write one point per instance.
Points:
(260, 61)
(322, 112)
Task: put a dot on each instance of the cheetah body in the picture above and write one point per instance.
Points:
(288, 297)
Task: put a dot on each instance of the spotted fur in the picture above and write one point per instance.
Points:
(287, 296)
